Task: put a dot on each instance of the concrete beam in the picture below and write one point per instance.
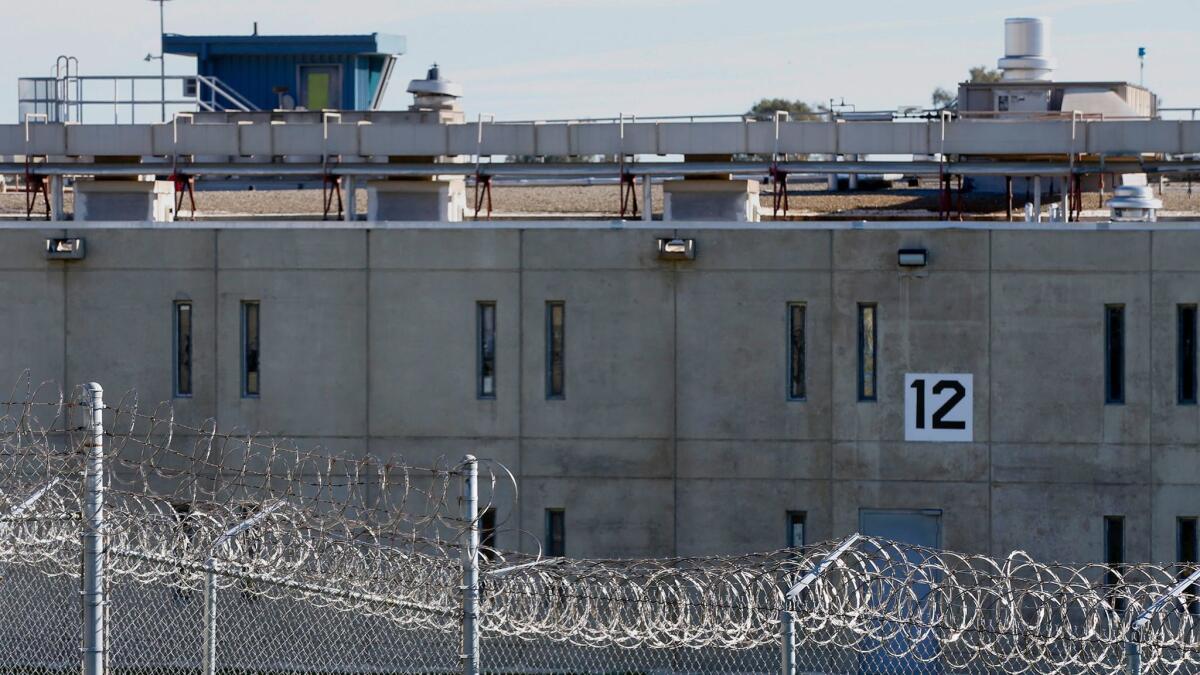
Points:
(683, 138)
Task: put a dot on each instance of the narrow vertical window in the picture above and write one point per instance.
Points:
(251, 383)
(555, 350)
(487, 350)
(487, 528)
(796, 375)
(1114, 354)
(1114, 557)
(556, 535)
(1189, 555)
(1186, 338)
(795, 533)
(183, 349)
(867, 375)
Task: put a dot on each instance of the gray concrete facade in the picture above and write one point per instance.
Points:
(675, 435)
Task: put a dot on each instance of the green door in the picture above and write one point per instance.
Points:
(319, 86)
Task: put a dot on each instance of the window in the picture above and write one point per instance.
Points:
(867, 376)
(1187, 354)
(796, 384)
(556, 542)
(1114, 557)
(1189, 555)
(1114, 354)
(251, 384)
(555, 347)
(183, 349)
(487, 350)
(487, 528)
(795, 533)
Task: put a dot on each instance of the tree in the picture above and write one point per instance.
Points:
(942, 98)
(984, 74)
(798, 110)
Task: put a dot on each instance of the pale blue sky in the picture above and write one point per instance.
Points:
(526, 59)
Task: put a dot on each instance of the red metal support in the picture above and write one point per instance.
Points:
(35, 185)
(629, 203)
(1074, 198)
(331, 187)
(944, 201)
(184, 185)
(483, 192)
(779, 190)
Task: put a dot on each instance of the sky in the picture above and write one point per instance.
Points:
(546, 59)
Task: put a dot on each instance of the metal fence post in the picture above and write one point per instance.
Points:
(210, 582)
(1133, 658)
(93, 535)
(1133, 636)
(210, 618)
(787, 629)
(470, 564)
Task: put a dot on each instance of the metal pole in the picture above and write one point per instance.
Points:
(57, 199)
(647, 198)
(210, 583)
(1133, 658)
(1066, 204)
(470, 563)
(210, 618)
(787, 627)
(93, 536)
(162, 58)
(351, 212)
(1037, 199)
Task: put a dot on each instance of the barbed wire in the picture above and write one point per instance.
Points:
(963, 611)
(383, 537)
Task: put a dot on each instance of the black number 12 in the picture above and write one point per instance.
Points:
(939, 421)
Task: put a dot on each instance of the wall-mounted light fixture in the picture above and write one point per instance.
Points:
(64, 249)
(676, 249)
(912, 257)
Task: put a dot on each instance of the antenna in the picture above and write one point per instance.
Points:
(1141, 66)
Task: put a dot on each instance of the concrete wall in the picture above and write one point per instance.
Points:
(675, 435)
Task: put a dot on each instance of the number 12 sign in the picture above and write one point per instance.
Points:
(938, 407)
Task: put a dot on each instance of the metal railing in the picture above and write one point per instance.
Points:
(67, 98)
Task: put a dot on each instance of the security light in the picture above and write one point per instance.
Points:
(676, 249)
(64, 249)
(912, 257)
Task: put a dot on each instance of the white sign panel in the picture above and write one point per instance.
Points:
(938, 407)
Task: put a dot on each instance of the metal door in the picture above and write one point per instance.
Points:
(907, 648)
(319, 87)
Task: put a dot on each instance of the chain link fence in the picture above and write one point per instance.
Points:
(235, 553)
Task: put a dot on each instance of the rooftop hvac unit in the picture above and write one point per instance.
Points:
(1134, 204)
(1026, 50)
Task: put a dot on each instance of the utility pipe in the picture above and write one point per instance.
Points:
(606, 170)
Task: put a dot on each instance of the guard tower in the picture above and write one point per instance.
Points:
(313, 72)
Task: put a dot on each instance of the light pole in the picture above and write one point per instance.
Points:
(162, 61)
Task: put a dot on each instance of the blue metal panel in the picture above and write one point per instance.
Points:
(254, 65)
(263, 45)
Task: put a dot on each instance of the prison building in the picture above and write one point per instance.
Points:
(661, 390)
